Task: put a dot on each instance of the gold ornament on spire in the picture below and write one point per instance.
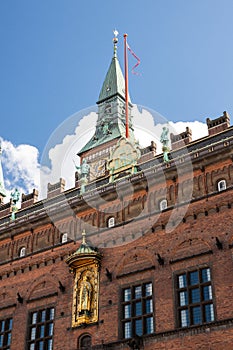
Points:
(115, 41)
(84, 237)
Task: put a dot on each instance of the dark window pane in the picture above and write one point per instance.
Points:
(1, 340)
(194, 278)
(127, 294)
(42, 332)
(127, 330)
(183, 298)
(149, 306)
(195, 295)
(33, 333)
(207, 293)
(196, 313)
(138, 327)
(2, 326)
(138, 308)
(148, 289)
(209, 313)
(127, 310)
(182, 281)
(50, 329)
(184, 318)
(149, 325)
(34, 317)
(43, 314)
(8, 338)
(138, 292)
(51, 314)
(10, 324)
(50, 344)
(205, 274)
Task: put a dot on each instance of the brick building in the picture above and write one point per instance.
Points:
(138, 255)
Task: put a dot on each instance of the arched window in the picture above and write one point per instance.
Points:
(22, 252)
(163, 204)
(222, 185)
(64, 237)
(111, 222)
(85, 342)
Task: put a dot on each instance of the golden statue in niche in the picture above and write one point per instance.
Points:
(84, 263)
(85, 296)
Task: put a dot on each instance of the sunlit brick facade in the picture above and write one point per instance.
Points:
(151, 251)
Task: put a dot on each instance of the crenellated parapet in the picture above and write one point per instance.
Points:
(218, 124)
(182, 139)
(55, 189)
(28, 200)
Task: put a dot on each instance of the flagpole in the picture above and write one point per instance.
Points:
(126, 88)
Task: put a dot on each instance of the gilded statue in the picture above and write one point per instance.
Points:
(85, 296)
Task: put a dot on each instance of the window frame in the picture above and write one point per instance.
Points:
(64, 238)
(219, 184)
(5, 333)
(22, 252)
(111, 219)
(143, 316)
(161, 202)
(37, 325)
(80, 339)
(189, 306)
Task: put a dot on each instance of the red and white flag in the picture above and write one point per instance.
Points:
(136, 57)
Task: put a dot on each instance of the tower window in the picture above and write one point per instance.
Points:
(222, 185)
(40, 329)
(137, 310)
(111, 222)
(5, 333)
(163, 204)
(108, 108)
(194, 297)
(85, 342)
(22, 252)
(64, 237)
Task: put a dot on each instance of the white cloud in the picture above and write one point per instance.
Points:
(63, 156)
(20, 166)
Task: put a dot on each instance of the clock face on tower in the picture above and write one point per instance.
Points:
(98, 168)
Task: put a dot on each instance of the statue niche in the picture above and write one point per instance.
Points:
(86, 295)
(84, 263)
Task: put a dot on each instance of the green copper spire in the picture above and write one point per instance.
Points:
(2, 188)
(114, 83)
(111, 106)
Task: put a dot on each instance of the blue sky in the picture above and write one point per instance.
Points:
(55, 54)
